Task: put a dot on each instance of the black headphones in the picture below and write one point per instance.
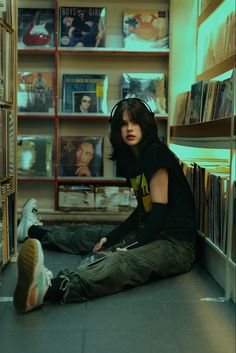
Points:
(145, 104)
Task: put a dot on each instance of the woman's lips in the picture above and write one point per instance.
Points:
(130, 137)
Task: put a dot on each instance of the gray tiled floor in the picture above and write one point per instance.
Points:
(168, 316)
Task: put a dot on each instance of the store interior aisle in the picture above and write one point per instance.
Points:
(184, 314)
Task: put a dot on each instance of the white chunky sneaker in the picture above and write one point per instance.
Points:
(29, 217)
(33, 277)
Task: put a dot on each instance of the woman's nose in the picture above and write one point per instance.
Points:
(129, 126)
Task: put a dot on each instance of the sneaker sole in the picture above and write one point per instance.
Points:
(30, 259)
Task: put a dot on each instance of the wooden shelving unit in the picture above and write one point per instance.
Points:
(213, 136)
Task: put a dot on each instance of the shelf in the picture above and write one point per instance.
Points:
(97, 116)
(96, 51)
(208, 11)
(85, 216)
(213, 129)
(224, 66)
(79, 116)
(35, 116)
(36, 180)
(5, 104)
(6, 26)
(93, 180)
(39, 51)
(112, 52)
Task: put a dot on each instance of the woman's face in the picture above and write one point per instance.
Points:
(131, 132)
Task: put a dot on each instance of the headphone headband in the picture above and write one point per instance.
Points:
(150, 112)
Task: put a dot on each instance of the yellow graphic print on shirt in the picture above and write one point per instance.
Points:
(144, 191)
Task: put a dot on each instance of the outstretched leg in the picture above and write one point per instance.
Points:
(118, 272)
(72, 238)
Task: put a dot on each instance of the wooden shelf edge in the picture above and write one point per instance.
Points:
(224, 66)
(213, 128)
(80, 216)
(208, 11)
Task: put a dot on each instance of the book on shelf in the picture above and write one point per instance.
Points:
(6, 11)
(81, 156)
(35, 92)
(35, 156)
(1, 64)
(82, 27)
(11, 143)
(180, 108)
(36, 28)
(76, 197)
(84, 93)
(146, 28)
(150, 87)
(6, 69)
(7, 143)
(209, 182)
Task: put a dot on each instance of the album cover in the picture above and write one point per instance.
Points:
(114, 199)
(84, 93)
(197, 101)
(146, 29)
(150, 87)
(35, 156)
(82, 26)
(35, 92)
(36, 28)
(181, 108)
(76, 197)
(81, 156)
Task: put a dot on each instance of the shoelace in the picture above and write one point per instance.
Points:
(48, 276)
(35, 218)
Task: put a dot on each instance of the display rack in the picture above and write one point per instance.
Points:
(112, 60)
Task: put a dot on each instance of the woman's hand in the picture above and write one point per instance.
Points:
(99, 245)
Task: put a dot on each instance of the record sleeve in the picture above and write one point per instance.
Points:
(81, 156)
(82, 26)
(36, 28)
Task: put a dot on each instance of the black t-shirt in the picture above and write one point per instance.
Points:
(180, 219)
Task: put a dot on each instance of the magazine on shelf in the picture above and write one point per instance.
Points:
(36, 28)
(81, 156)
(84, 93)
(35, 156)
(35, 92)
(146, 28)
(150, 87)
(82, 26)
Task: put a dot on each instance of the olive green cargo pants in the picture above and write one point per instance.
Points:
(122, 270)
